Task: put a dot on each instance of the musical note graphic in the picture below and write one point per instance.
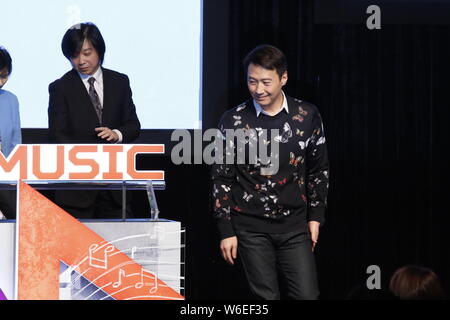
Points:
(98, 257)
(146, 278)
(133, 251)
(122, 274)
(149, 276)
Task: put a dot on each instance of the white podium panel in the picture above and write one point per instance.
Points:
(7, 248)
(155, 246)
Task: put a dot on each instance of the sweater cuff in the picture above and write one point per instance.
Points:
(317, 214)
(225, 228)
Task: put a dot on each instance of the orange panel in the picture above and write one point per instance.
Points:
(48, 234)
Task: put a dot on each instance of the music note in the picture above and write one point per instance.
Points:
(149, 276)
(146, 278)
(118, 283)
(99, 259)
(133, 250)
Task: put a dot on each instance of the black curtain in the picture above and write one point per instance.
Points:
(383, 95)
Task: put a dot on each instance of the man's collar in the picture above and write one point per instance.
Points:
(98, 75)
(259, 109)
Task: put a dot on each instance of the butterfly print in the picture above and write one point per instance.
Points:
(302, 112)
(293, 160)
(285, 135)
(321, 141)
(241, 107)
(303, 197)
(215, 191)
(298, 117)
(317, 132)
(274, 198)
(271, 184)
(303, 144)
(247, 197)
(287, 212)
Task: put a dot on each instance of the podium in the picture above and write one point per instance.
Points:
(49, 255)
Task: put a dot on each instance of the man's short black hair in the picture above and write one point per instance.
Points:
(5, 60)
(268, 57)
(72, 41)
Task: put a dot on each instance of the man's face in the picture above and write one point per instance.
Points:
(265, 85)
(3, 77)
(88, 61)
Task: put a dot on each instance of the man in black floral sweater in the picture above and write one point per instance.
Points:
(272, 217)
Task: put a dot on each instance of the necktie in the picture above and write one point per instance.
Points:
(95, 99)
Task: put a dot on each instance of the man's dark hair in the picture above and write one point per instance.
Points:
(268, 57)
(5, 60)
(72, 41)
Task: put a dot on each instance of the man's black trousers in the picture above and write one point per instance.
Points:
(279, 265)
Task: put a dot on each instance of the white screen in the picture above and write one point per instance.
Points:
(156, 43)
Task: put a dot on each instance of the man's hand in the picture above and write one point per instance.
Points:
(107, 133)
(314, 230)
(228, 248)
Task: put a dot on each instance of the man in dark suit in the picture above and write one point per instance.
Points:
(90, 104)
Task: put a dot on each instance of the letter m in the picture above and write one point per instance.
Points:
(8, 164)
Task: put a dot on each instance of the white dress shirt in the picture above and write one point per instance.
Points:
(259, 109)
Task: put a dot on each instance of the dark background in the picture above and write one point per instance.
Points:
(384, 98)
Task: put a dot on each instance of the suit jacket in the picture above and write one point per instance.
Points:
(71, 114)
(72, 119)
